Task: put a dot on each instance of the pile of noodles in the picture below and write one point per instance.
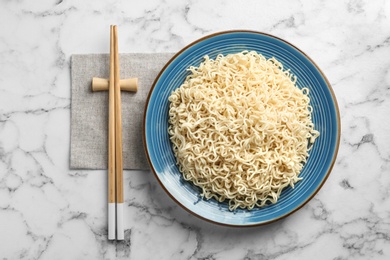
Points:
(241, 129)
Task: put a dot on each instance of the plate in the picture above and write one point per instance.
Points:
(325, 117)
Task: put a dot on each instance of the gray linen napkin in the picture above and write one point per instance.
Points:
(89, 110)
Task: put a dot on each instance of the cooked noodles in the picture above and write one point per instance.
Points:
(241, 129)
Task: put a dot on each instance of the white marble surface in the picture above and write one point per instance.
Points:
(50, 212)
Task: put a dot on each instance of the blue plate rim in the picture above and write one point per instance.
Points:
(333, 99)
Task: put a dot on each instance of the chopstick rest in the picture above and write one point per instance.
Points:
(99, 84)
(115, 163)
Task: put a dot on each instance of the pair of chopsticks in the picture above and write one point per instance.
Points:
(115, 163)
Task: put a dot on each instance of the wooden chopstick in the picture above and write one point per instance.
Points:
(118, 142)
(115, 159)
(111, 143)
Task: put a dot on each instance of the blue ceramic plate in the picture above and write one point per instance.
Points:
(325, 117)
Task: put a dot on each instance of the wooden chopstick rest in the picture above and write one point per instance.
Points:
(100, 84)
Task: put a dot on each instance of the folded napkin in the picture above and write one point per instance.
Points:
(89, 110)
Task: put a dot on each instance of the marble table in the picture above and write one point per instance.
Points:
(48, 211)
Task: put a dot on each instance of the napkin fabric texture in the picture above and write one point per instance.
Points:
(89, 110)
